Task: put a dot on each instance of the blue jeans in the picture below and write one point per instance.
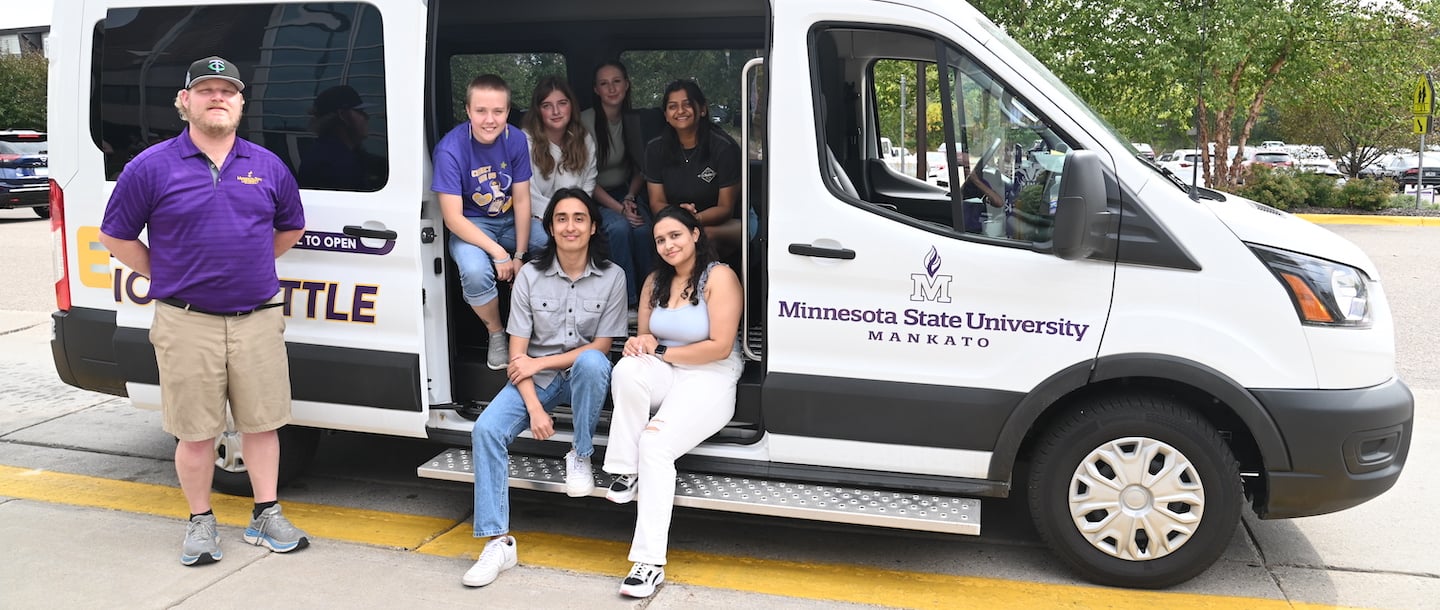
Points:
(633, 248)
(584, 386)
(477, 272)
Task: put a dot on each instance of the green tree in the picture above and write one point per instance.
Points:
(22, 78)
(1356, 104)
(1141, 64)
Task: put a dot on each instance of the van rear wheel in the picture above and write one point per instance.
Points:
(42, 211)
(297, 448)
(1135, 492)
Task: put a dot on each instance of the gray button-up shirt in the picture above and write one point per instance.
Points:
(559, 315)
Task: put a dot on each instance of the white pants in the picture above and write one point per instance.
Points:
(694, 402)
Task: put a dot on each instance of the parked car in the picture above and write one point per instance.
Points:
(1411, 176)
(1144, 150)
(1395, 168)
(1323, 167)
(25, 171)
(1273, 158)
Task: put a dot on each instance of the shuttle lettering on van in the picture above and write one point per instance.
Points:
(356, 306)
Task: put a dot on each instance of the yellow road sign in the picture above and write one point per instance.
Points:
(1421, 124)
(1423, 100)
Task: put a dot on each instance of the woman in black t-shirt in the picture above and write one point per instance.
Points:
(695, 165)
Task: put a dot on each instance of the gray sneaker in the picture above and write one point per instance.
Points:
(273, 531)
(202, 542)
(498, 356)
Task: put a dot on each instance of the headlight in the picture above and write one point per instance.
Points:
(1324, 293)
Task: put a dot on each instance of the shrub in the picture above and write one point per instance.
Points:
(1320, 191)
(1280, 190)
(1366, 194)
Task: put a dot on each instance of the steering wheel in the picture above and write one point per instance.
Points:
(979, 169)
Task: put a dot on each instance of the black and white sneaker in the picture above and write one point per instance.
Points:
(622, 489)
(642, 580)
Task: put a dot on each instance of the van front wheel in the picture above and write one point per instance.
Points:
(297, 448)
(1135, 492)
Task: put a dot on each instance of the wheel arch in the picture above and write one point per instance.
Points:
(1249, 430)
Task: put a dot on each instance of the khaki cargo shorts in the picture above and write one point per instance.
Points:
(206, 361)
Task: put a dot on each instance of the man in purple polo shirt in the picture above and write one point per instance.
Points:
(218, 211)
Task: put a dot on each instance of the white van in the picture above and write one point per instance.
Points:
(1067, 323)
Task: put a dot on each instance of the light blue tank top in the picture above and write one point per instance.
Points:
(685, 324)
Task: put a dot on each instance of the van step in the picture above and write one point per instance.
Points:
(736, 494)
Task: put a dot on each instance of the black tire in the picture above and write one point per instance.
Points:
(1140, 424)
(42, 211)
(297, 448)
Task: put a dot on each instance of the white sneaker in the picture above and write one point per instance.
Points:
(642, 580)
(579, 478)
(622, 489)
(498, 556)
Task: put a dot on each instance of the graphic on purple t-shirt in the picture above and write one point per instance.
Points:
(483, 175)
(211, 234)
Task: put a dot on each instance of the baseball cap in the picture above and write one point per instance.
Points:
(213, 67)
(337, 98)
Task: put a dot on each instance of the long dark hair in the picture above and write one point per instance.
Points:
(572, 143)
(599, 251)
(673, 151)
(665, 273)
(602, 130)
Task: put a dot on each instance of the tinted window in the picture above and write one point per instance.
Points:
(520, 70)
(288, 54)
(717, 71)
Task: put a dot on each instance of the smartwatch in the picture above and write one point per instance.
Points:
(660, 351)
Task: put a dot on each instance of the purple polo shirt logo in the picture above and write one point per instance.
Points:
(249, 178)
(930, 285)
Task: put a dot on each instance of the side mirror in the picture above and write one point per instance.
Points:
(1082, 204)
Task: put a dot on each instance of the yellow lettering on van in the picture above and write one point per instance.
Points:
(93, 260)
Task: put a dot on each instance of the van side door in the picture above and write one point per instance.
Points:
(906, 322)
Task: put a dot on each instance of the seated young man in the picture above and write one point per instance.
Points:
(567, 306)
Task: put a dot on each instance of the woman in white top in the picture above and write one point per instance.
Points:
(620, 185)
(683, 361)
(562, 153)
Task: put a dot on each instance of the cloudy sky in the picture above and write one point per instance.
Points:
(27, 13)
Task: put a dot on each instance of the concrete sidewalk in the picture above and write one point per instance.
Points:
(57, 554)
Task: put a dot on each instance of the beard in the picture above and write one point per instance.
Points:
(213, 126)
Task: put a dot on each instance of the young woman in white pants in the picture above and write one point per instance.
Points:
(682, 364)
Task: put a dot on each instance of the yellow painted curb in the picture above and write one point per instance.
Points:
(447, 538)
(334, 522)
(1372, 219)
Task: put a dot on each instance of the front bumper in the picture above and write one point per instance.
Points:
(1345, 446)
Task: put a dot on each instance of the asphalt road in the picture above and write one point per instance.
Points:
(1377, 555)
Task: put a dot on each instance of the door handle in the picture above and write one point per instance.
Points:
(359, 231)
(816, 251)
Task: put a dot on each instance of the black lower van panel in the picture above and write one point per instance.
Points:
(887, 412)
(82, 345)
(91, 353)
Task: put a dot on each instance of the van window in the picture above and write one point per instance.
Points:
(520, 70)
(288, 54)
(717, 71)
(1006, 157)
